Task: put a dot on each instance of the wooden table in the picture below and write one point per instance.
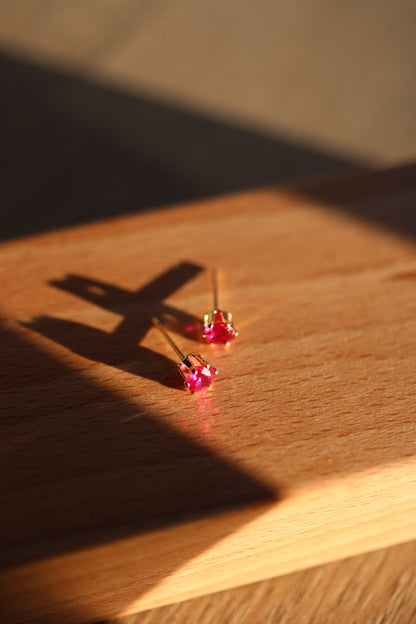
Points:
(366, 589)
(120, 490)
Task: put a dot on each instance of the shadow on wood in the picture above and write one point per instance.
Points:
(82, 465)
(367, 195)
(121, 348)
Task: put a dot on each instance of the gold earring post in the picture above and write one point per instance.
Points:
(159, 326)
(215, 287)
(218, 324)
(196, 373)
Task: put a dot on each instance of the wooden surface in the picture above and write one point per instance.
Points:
(121, 491)
(366, 589)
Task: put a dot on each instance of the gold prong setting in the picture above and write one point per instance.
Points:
(219, 327)
(196, 373)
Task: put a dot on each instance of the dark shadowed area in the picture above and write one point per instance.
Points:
(74, 151)
(134, 473)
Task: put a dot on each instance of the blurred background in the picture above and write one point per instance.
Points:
(113, 106)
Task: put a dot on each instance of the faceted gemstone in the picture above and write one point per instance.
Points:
(201, 378)
(219, 333)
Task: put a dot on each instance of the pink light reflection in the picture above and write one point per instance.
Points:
(208, 412)
(193, 328)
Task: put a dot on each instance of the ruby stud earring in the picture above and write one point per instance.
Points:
(218, 325)
(196, 373)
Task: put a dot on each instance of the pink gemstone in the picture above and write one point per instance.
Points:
(219, 333)
(201, 378)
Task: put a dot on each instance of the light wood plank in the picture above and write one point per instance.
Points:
(121, 491)
(367, 589)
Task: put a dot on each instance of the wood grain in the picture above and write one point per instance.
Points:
(366, 589)
(121, 491)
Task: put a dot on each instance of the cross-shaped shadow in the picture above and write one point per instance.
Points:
(121, 348)
(84, 464)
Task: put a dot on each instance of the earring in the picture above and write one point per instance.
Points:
(196, 373)
(218, 325)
